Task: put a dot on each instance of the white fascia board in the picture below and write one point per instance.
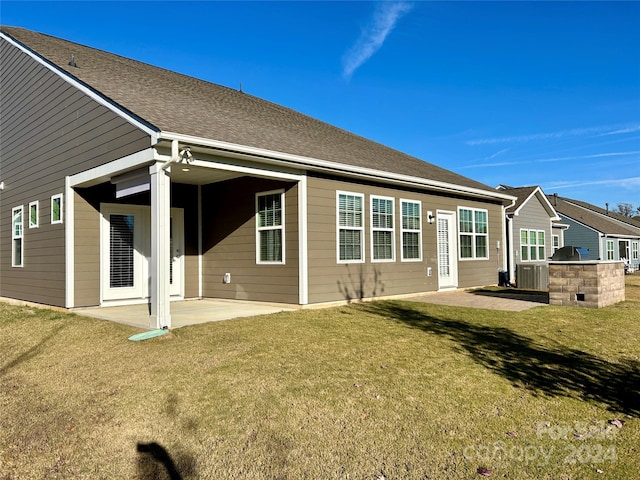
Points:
(78, 84)
(257, 172)
(104, 172)
(619, 235)
(553, 215)
(323, 165)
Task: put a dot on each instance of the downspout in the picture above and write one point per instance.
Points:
(160, 303)
(508, 246)
(175, 155)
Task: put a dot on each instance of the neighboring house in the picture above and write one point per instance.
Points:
(607, 235)
(123, 183)
(533, 229)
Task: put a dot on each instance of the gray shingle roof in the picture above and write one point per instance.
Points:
(177, 103)
(521, 194)
(593, 217)
(631, 221)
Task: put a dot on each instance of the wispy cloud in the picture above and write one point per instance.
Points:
(498, 153)
(384, 19)
(626, 183)
(631, 129)
(586, 157)
(574, 132)
(548, 160)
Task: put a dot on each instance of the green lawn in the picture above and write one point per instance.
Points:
(390, 389)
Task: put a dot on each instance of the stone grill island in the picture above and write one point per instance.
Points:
(586, 283)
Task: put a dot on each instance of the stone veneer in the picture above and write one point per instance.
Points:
(590, 284)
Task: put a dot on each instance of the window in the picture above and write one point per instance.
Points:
(33, 214)
(350, 227)
(541, 245)
(382, 229)
(269, 227)
(17, 251)
(555, 239)
(474, 233)
(56, 208)
(610, 251)
(634, 251)
(532, 245)
(411, 229)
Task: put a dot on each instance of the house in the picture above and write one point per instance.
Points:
(127, 183)
(607, 235)
(534, 232)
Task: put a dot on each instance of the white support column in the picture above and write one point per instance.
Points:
(303, 253)
(200, 242)
(69, 243)
(160, 255)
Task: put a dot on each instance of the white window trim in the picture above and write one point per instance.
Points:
(19, 236)
(473, 235)
(635, 250)
(410, 230)
(537, 245)
(339, 227)
(53, 198)
(277, 227)
(37, 222)
(612, 250)
(379, 229)
(553, 242)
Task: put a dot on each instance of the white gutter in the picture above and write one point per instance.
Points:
(334, 167)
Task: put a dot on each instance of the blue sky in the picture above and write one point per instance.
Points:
(516, 93)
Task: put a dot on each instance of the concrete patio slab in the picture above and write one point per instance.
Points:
(193, 312)
(183, 313)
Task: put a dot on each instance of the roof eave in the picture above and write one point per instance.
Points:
(314, 164)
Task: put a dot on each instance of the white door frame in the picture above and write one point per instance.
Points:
(142, 254)
(450, 281)
(138, 290)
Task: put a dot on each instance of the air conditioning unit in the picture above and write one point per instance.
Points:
(533, 277)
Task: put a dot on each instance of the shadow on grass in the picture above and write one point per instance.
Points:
(154, 462)
(514, 294)
(543, 370)
(30, 353)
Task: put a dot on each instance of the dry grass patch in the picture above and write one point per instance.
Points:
(378, 390)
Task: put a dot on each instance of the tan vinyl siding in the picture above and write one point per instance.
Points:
(229, 244)
(186, 197)
(87, 253)
(333, 281)
(49, 130)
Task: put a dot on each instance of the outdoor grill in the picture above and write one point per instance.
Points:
(570, 254)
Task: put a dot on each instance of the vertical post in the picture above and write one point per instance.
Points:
(160, 252)
(303, 253)
(200, 241)
(69, 243)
